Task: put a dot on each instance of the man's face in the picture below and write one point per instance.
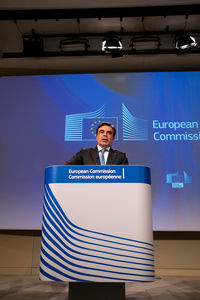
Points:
(105, 136)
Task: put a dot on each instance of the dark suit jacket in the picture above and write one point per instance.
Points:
(90, 156)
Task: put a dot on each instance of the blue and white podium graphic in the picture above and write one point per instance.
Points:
(97, 224)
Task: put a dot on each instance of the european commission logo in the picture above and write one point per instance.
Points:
(82, 127)
(177, 180)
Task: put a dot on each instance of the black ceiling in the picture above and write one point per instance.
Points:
(99, 12)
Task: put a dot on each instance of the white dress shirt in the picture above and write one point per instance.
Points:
(105, 153)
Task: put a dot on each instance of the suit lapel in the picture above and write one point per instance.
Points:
(110, 157)
(95, 156)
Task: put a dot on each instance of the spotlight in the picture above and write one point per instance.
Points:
(32, 46)
(112, 45)
(145, 43)
(185, 42)
(74, 44)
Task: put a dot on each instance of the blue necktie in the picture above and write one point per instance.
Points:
(102, 159)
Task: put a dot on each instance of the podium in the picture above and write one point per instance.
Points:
(97, 224)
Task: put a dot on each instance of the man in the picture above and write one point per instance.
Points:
(102, 154)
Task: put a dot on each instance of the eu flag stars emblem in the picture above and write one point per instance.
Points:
(90, 125)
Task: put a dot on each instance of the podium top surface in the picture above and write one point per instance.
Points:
(97, 174)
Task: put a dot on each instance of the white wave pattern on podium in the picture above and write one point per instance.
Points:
(74, 123)
(134, 129)
(72, 253)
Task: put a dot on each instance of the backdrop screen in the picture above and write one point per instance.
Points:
(46, 119)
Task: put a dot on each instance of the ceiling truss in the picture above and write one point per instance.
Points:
(101, 13)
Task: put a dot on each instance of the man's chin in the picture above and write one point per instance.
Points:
(104, 145)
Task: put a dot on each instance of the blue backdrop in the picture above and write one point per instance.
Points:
(46, 119)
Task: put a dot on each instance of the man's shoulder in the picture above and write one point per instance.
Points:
(116, 151)
(90, 149)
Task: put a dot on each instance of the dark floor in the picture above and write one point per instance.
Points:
(164, 288)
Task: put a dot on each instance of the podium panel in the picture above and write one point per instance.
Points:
(97, 224)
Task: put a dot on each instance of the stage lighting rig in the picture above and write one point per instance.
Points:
(146, 42)
(112, 45)
(74, 44)
(33, 46)
(185, 42)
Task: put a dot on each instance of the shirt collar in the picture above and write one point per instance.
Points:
(100, 148)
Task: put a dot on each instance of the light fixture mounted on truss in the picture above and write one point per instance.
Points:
(74, 44)
(185, 42)
(33, 45)
(145, 42)
(112, 45)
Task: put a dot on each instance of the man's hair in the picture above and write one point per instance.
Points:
(106, 124)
